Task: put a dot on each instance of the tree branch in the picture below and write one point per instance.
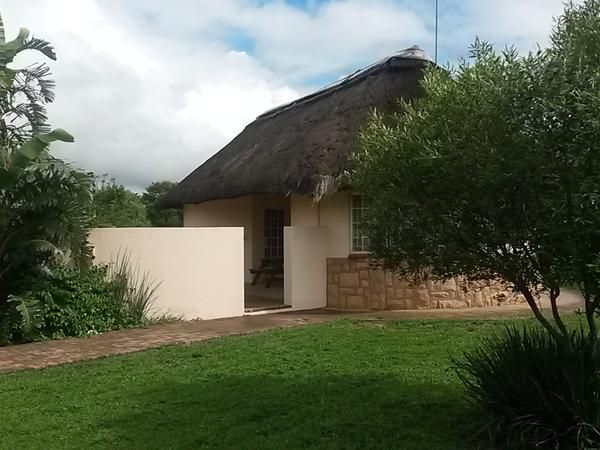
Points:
(538, 314)
(554, 293)
(590, 309)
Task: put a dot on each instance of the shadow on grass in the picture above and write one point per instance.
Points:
(258, 412)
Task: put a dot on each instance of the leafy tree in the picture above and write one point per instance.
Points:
(495, 172)
(115, 206)
(571, 133)
(160, 217)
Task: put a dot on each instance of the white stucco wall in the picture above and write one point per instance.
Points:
(305, 266)
(332, 212)
(304, 211)
(247, 212)
(200, 269)
(236, 212)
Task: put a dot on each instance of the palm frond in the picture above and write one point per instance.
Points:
(34, 79)
(40, 45)
(42, 245)
(47, 89)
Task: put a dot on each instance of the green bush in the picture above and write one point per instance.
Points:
(11, 328)
(78, 303)
(66, 301)
(534, 391)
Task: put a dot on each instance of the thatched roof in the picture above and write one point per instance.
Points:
(303, 147)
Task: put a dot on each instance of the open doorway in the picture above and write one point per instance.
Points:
(265, 292)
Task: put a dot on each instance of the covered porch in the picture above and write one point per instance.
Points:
(263, 218)
(284, 265)
(261, 298)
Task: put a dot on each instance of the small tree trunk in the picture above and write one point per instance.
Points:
(539, 316)
(590, 310)
(554, 293)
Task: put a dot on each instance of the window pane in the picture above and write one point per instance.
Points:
(357, 210)
(273, 232)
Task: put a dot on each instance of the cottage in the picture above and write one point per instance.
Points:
(281, 179)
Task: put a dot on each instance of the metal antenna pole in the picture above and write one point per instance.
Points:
(437, 19)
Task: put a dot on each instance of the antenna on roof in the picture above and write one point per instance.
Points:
(437, 20)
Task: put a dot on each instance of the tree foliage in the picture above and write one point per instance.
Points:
(116, 206)
(158, 216)
(495, 172)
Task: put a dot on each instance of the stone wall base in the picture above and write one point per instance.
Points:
(353, 283)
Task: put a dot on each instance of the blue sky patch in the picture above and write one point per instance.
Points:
(239, 40)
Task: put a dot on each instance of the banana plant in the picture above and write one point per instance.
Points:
(21, 119)
(46, 215)
(27, 163)
(35, 148)
(45, 204)
(30, 313)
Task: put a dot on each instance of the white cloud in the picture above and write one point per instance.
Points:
(524, 24)
(335, 36)
(151, 89)
(145, 109)
(84, 19)
(516, 21)
(227, 115)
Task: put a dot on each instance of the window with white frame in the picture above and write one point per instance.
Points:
(274, 222)
(359, 242)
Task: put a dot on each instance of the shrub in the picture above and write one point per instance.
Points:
(535, 391)
(77, 303)
(67, 301)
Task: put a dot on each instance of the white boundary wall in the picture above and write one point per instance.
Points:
(201, 270)
(305, 266)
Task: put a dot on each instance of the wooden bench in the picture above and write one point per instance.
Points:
(269, 266)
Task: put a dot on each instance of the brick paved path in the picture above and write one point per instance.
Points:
(43, 354)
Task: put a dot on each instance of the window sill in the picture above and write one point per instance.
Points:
(358, 255)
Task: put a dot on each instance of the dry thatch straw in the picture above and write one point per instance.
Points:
(303, 147)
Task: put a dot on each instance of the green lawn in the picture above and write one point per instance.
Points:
(340, 385)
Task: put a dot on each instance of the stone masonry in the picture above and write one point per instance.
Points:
(353, 283)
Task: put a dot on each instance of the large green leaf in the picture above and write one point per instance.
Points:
(9, 50)
(38, 143)
(28, 152)
(57, 134)
(29, 310)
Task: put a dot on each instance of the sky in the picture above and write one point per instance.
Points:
(150, 89)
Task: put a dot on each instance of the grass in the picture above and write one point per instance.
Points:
(344, 384)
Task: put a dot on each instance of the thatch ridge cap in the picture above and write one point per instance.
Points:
(415, 55)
